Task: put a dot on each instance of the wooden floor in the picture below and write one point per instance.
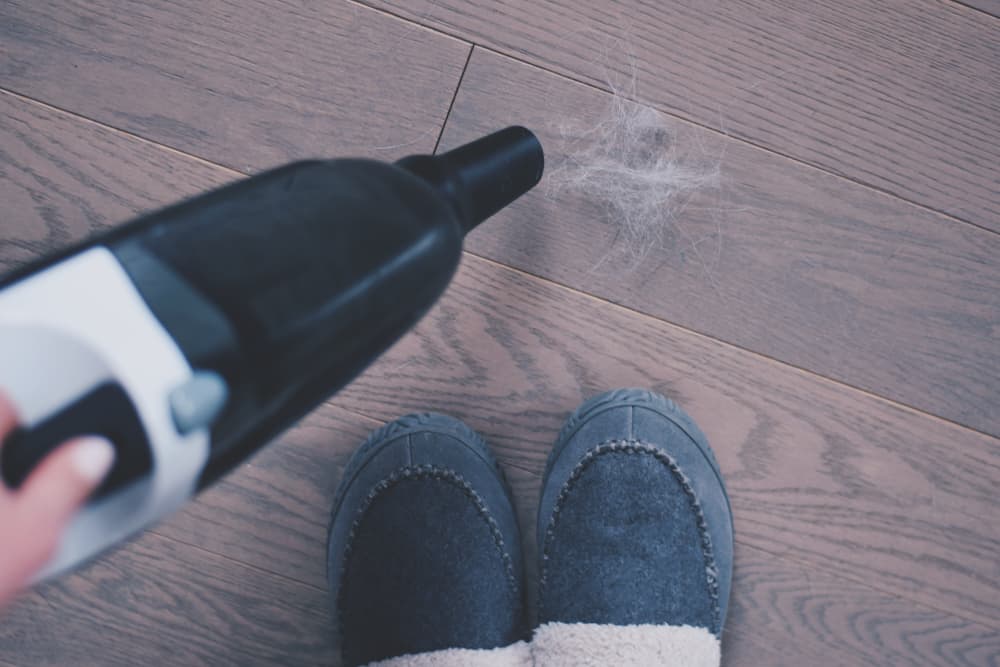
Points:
(830, 315)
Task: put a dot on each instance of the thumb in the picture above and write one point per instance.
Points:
(55, 490)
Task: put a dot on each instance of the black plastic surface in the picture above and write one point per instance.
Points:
(314, 269)
(483, 176)
(289, 283)
(106, 411)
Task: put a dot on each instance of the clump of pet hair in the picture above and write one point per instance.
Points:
(633, 164)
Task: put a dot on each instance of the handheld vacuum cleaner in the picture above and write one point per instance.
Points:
(192, 336)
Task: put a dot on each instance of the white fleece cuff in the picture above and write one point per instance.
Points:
(515, 655)
(585, 645)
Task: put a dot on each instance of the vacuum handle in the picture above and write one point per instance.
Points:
(80, 353)
(104, 411)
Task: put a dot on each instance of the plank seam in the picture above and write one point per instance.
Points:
(230, 559)
(458, 87)
(992, 624)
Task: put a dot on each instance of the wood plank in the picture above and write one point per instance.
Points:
(272, 512)
(71, 179)
(793, 616)
(247, 83)
(784, 260)
(158, 602)
(903, 95)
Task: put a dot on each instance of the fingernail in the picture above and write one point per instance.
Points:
(92, 458)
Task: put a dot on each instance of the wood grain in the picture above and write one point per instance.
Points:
(839, 495)
(247, 83)
(158, 602)
(71, 179)
(781, 259)
(786, 615)
(903, 95)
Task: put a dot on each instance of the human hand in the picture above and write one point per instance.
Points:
(33, 517)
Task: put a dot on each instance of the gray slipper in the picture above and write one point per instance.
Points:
(634, 524)
(424, 551)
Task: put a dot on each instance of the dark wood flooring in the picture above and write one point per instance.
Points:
(830, 315)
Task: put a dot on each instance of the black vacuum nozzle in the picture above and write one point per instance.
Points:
(483, 176)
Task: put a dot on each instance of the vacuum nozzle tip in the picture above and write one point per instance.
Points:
(495, 170)
(485, 175)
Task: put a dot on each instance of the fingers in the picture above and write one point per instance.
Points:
(8, 415)
(60, 484)
(38, 513)
(33, 518)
